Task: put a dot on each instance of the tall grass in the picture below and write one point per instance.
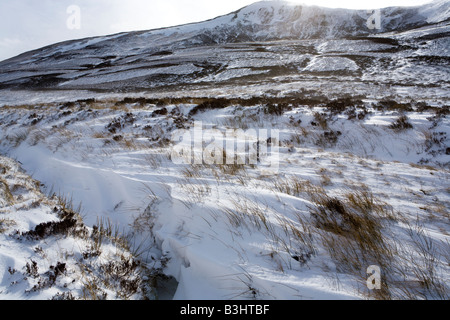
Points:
(356, 230)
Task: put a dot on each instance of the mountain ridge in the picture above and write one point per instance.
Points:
(262, 8)
(201, 53)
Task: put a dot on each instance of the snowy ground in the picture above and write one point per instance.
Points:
(47, 252)
(355, 186)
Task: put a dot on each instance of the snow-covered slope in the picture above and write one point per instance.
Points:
(47, 252)
(234, 232)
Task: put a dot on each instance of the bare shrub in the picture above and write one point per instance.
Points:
(6, 197)
(18, 137)
(401, 123)
(320, 120)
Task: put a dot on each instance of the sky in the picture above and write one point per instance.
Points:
(30, 24)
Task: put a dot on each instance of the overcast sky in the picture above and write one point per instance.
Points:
(30, 24)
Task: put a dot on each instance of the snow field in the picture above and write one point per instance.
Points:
(233, 232)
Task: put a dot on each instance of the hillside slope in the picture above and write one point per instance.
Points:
(274, 42)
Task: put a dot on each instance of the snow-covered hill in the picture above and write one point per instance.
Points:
(267, 41)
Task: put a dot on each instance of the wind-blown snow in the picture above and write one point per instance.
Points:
(186, 214)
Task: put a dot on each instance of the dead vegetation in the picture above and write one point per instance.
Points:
(121, 276)
(69, 224)
(356, 229)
